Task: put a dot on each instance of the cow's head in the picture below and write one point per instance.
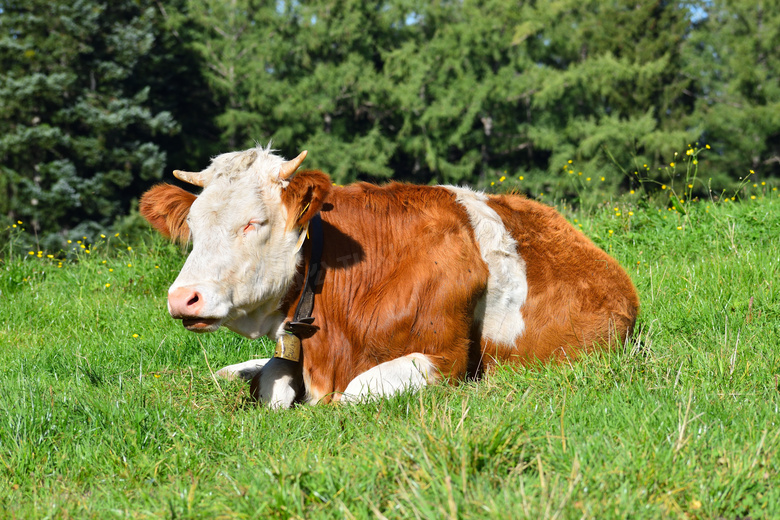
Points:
(246, 228)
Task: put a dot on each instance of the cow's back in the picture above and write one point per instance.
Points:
(579, 297)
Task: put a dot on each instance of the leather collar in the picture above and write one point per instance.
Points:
(302, 325)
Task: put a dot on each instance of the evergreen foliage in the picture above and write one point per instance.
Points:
(93, 95)
(735, 56)
(76, 130)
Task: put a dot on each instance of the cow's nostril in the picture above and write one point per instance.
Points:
(185, 301)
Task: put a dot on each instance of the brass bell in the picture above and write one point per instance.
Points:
(288, 347)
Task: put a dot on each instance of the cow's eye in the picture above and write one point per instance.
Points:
(253, 225)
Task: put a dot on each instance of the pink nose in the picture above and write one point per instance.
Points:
(185, 302)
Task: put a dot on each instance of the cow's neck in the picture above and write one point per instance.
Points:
(264, 320)
(301, 325)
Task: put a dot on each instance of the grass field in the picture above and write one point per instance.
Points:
(108, 408)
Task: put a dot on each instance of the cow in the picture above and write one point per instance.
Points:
(414, 284)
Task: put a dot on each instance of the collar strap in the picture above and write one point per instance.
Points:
(302, 326)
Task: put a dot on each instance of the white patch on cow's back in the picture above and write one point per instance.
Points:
(507, 287)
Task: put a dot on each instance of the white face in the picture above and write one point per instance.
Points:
(243, 260)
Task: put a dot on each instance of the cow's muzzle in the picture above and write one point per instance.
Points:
(186, 304)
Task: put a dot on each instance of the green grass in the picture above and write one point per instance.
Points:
(108, 408)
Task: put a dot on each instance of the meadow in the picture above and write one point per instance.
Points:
(109, 409)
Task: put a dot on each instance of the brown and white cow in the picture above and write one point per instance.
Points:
(417, 283)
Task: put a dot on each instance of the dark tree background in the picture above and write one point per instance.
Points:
(98, 100)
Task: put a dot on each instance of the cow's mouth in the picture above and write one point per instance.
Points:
(201, 324)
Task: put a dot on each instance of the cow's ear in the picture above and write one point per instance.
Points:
(166, 208)
(304, 195)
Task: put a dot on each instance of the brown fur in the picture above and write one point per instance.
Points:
(166, 207)
(402, 273)
(578, 296)
(304, 196)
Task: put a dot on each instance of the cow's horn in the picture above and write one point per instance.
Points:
(194, 178)
(288, 168)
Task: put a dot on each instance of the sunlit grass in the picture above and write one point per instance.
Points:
(675, 183)
(108, 408)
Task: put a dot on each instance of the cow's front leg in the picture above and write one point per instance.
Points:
(246, 370)
(410, 372)
(278, 383)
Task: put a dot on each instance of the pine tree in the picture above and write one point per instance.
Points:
(76, 130)
(457, 83)
(322, 86)
(231, 39)
(608, 90)
(735, 58)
